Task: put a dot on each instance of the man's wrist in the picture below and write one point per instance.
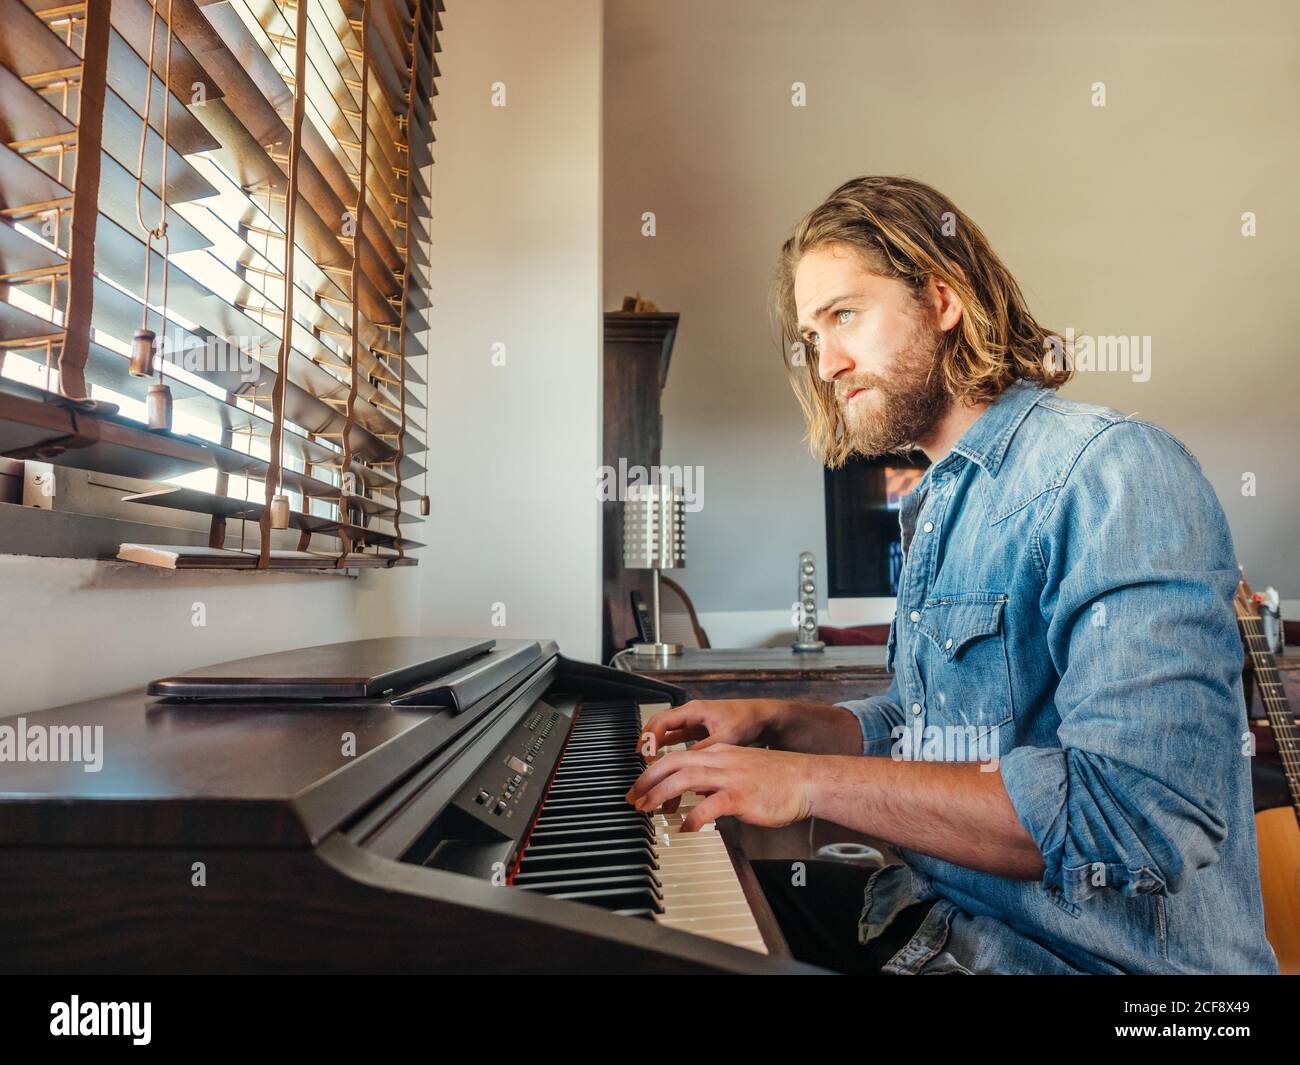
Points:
(774, 716)
(814, 728)
(826, 780)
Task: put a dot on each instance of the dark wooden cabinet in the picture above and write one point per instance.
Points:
(637, 350)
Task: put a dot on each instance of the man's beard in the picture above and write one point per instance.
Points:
(900, 410)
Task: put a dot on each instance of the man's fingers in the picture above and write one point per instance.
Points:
(714, 744)
(696, 733)
(654, 773)
(716, 805)
(667, 765)
(690, 718)
(677, 717)
(698, 778)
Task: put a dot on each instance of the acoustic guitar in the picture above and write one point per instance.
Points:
(1277, 830)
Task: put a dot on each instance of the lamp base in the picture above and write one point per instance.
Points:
(656, 650)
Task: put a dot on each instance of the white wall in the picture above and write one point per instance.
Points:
(516, 248)
(73, 629)
(1116, 220)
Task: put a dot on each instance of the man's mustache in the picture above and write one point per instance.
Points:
(844, 387)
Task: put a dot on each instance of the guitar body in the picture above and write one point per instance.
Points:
(1277, 830)
(1279, 876)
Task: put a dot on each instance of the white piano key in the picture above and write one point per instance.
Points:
(701, 892)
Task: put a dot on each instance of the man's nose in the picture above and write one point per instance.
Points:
(832, 361)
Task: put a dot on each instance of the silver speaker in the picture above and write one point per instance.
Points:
(805, 606)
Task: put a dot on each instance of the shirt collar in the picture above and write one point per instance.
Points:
(985, 443)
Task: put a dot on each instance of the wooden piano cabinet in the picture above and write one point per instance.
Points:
(638, 348)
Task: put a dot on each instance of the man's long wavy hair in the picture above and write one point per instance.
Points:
(909, 231)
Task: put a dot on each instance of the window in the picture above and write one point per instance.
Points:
(214, 276)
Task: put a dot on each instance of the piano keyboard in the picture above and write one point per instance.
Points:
(589, 845)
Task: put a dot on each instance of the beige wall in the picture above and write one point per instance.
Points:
(1117, 220)
(516, 250)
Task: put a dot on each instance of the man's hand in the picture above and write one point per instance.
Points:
(709, 721)
(761, 787)
(812, 728)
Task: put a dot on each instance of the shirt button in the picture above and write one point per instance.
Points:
(915, 615)
(916, 708)
(928, 526)
(948, 645)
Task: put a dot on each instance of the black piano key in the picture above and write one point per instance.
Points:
(571, 858)
(555, 887)
(571, 876)
(568, 769)
(617, 803)
(593, 833)
(614, 898)
(561, 817)
(626, 779)
(599, 752)
(536, 848)
(579, 788)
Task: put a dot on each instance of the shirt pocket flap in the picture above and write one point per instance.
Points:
(954, 621)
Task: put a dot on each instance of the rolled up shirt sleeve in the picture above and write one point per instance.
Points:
(1139, 577)
(878, 716)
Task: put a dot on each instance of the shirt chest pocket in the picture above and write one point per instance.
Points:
(963, 660)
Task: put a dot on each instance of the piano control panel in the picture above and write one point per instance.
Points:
(505, 790)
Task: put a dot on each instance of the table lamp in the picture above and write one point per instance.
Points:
(654, 538)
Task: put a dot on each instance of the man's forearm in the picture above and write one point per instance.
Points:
(949, 810)
(813, 728)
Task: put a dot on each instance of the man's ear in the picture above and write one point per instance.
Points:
(945, 302)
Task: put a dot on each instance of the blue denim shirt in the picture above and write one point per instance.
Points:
(1065, 613)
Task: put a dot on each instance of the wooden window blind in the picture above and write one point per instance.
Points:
(213, 268)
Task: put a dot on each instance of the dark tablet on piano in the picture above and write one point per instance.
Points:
(352, 670)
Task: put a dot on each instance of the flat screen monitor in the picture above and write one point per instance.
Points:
(864, 552)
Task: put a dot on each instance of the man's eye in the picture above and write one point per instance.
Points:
(840, 316)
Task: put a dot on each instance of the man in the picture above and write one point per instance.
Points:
(1064, 614)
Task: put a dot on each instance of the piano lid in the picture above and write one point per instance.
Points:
(352, 670)
(227, 773)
